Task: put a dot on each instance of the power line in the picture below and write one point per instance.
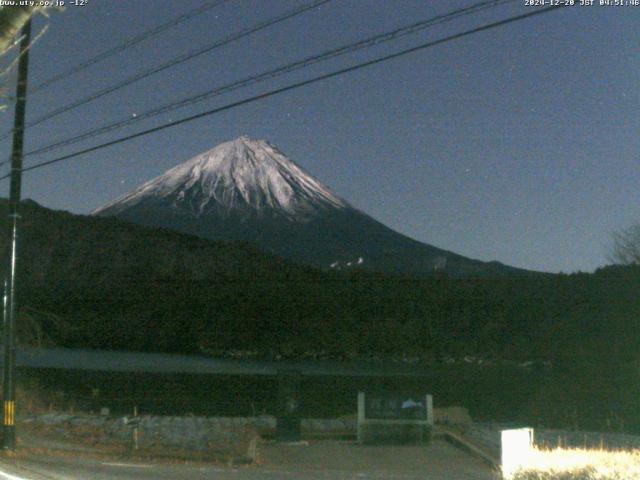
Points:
(128, 44)
(273, 73)
(172, 63)
(294, 86)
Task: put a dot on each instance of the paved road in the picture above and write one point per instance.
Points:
(315, 461)
(341, 460)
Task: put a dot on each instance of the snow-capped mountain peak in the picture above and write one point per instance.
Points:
(242, 175)
(247, 190)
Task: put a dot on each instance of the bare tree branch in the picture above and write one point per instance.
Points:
(625, 249)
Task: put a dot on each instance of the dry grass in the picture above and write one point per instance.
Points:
(581, 464)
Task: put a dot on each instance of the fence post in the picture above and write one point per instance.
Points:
(135, 428)
(288, 421)
(361, 415)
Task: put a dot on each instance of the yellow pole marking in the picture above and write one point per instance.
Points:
(9, 412)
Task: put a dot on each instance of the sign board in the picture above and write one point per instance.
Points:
(394, 418)
(395, 407)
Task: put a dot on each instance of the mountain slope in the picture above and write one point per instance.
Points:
(248, 190)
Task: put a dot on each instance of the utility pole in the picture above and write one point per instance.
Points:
(9, 381)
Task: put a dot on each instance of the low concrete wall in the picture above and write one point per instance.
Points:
(452, 416)
(190, 432)
(328, 427)
(372, 433)
(193, 431)
(199, 434)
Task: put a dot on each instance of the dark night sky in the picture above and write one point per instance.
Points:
(518, 144)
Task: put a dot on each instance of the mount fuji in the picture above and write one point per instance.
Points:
(247, 190)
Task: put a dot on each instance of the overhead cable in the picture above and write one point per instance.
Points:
(294, 86)
(126, 45)
(272, 73)
(171, 63)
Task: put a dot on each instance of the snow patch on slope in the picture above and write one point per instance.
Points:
(339, 266)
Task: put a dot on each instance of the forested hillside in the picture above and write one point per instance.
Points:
(104, 283)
